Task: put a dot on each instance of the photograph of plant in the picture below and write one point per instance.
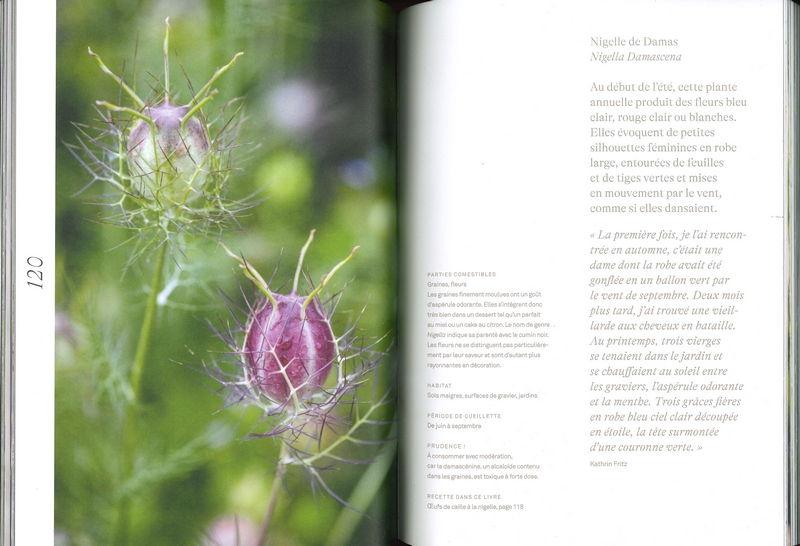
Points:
(225, 366)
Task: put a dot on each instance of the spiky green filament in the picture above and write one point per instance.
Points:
(196, 108)
(300, 261)
(216, 75)
(347, 437)
(125, 110)
(324, 281)
(139, 102)
(253, 275)
(166, 58)
(198, 101)
(194, 176)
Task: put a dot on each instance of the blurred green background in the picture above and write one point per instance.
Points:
(317, 148)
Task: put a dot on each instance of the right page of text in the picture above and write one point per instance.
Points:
(593, 273)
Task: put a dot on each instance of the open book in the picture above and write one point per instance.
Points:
(569, 318)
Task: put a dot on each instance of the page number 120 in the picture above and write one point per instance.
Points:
(36, 271)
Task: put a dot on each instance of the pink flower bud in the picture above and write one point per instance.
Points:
(168, 159)
(288, 348)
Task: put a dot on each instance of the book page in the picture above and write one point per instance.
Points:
(593, 213)
(32, 424)
(187, 175)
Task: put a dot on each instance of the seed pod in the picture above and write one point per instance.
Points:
(166, 152)
(288, 348)
(168, 147)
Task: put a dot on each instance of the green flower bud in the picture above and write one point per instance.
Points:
(166, 153)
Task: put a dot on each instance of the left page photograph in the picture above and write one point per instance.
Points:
(223, 275)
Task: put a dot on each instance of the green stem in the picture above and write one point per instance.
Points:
(273, 495)
(121, 532)
(147, 324)
(362, 496)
